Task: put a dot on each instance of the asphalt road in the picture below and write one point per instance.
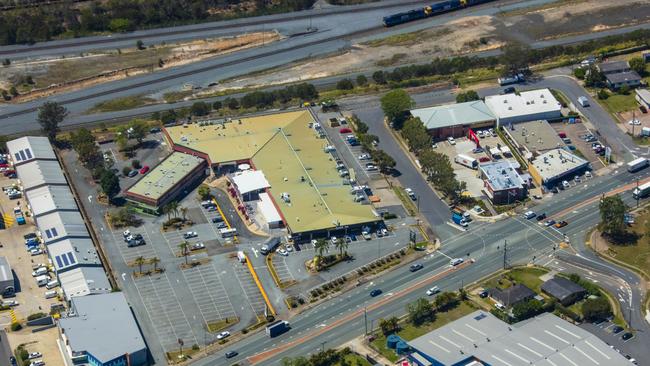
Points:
(342, 319)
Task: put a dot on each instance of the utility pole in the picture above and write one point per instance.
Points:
(638, 195)
(365, 319)
(322, 346)
(505, 254)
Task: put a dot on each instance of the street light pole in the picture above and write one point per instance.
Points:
(365, 319)
(637, 196)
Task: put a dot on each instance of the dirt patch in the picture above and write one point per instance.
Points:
(54, 76)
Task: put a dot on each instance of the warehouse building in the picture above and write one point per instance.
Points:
(455, 120)
(554, 166)
(564, 290)
(29, 148)
(40, 173)
(523, 107)
(48, 199)
(82, 281)
(7, 281)
(173, 178)
(57, 226)
(480, 338)
(533, 138)
(502, 183)
(643, 97)
(101, 331)
(72, 253)
(304, 184)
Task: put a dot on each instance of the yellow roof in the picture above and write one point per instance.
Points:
(291, 155)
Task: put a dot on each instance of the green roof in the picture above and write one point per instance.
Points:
(165, 175)
(454, 114)
(294, 162)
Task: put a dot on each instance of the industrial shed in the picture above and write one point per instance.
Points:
(47, 199)
(455, 120)
(39, 173)
(61, 225)
(525, 106)
(30, 148)
(72, 253)
(564, 290)
(84, 281)
(7, 281)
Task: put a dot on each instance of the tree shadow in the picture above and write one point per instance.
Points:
(625, 238)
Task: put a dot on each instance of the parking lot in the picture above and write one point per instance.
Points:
(210, 295)
(612, 335)
(579, 142)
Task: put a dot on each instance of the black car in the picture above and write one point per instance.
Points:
(627, 336)
(415, 267)
(483, 294)
(217, 219)
(617, 329)
(231, 354)
(509, 90)
(375, 292)
(541, 217)
(12, 359)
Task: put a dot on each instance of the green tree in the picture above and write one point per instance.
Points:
(217, 105)
(344, 84)
(593, 77)
(396, 104)
(204, 192)
(416, 135)
(126, 170)
(232, 103)
(527, 309)
(468, 96)
(342, 246)
(420, 311)
(321, 247)
(379, 77)
(637, 64)
(297, 361)
(389, 326)
(185, 249)
(110, 184)
(446, 300)
(384, 162)
(139, 45)
(183, 211)
(612, 216)
(579, 73)
(13, 91)
(596, 309)
(624, 89)
(138, 129)
(515, 57)
(120, 25)
(154, 261)
(200, 109)
(362, 80)
(140, 261)
(603, 94)
(50, 115)
(168, 117)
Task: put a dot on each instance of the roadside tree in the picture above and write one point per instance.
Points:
(612, 216)
(362, 80)
(200, 109)
(468, 96)
(420, 311)
(110, 184)
(50, 115)
(446, 300)
(204, 192)
(344, 84)
(596, 309)
(396, 104)
(637, 64)
(416, 135)
(389, 326)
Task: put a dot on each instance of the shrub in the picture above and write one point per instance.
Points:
(15, 326)
(603, 94)
(36, 316)
(136, 164)
(195, 347)
(126, 170)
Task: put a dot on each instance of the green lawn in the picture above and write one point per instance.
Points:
(617, 103)
(408, 203)
(121, 104)
(409, 332)
(525, 276)
(354, 359)
(637, 254)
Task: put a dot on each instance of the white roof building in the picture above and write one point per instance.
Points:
(30, 148)
(250, 181)
(525, 106)
(57, 226)
(84, 281)
(267, 208)
(556, 165)
(48, 199)
(72, 253)
(40, 173)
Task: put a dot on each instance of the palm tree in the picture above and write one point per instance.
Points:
(184, 212)
(342, 246)
(139, 262)
(173, 206)
(321, 247)
(184, 249)
(167, 210)
(155, 261)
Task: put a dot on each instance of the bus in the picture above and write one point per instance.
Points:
(637, 164)
(641, 191)
(227, 233)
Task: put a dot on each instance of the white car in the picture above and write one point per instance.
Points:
(34, 355)
(128, 238)
(37, 363)
(283, 252)
(478, 210)
(224, 334)
(36, 251)
(126, 233)
(288, 248)
(333, 240)
(456, 261)
(634, 122)
(499, 306)
(451, 140)
(587, 174)
(190, 234)
(10, 303)
(198, 246)
(529, 215)
(371, 168)
(433, 290)
(364, 157)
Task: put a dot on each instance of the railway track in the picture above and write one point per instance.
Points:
(163, 33)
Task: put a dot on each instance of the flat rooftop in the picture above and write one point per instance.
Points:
(501, 175)
(75, 252)
(557, 162)
(29, 148)
(61, 224)
(165, 175)
(234, 140)
(523, 104)
(454, 114)
(40, 172)
(5, 270)
(534, 136)
(46, 199)
(545, 340)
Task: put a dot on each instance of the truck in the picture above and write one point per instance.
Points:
(510, 79)
(276, 328)
(458, 217)
(270, 245)
(641, 191)
(20, 218)
(637, 164)
(467, 161)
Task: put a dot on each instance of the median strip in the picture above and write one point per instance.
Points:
(259, 285)
(225, 219)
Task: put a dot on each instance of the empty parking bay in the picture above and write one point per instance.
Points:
(281, 269)
(165, 312)
(251, 290)
(208, 291)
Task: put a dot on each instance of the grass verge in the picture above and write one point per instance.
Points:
(407, 202)
(121, 104)
(221, 324)
(617, 103)
(527, 276)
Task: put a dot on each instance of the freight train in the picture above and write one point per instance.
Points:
(429, 11)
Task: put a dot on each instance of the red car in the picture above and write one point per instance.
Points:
(4, 165)
(9, 172)
(144, 169)
(345, 130)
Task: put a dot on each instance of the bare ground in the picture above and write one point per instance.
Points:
(54, 76)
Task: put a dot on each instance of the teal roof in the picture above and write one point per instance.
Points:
(454, 114)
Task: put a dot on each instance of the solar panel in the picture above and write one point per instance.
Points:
(480, 316)
(65, 260)
(71, 258)
(48, 233)
(17, 156)
(54, 233)
(22, 154)
(29, 153)
(58, 261)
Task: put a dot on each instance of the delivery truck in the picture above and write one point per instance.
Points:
(277, 328)
(467, 161)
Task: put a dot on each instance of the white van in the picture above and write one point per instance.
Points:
(583, 101)
(52, 284)
(241, 257)
(40, 271)
(456, 261)
(42, 280)
(50, 294)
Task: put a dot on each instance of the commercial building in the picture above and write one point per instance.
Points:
(480, 338)
(61, 225)
(249, 184)
(533, 138)
(512, 295)
(29, 148)
(83, 281)
(502, 183)
(48, 199)
(564, 290)
(7, 281)
(101, 331)
(554, 166)
(630, 78)
(526, 106)
(175, 176)
(305, 186)
(643, 97)
(72, 253)
(266, 207)
(455, 120)
(40, 173)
